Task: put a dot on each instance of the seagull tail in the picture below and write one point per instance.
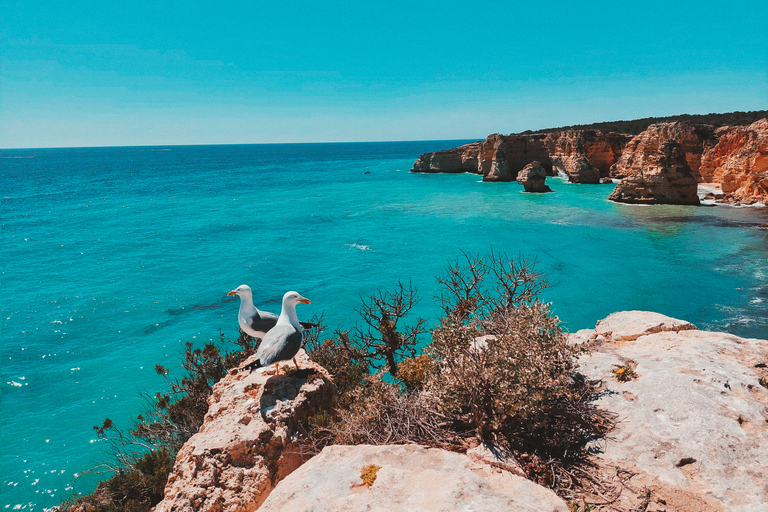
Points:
(253, 366)
(308, 325)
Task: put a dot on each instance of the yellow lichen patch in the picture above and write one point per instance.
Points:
(368, 474)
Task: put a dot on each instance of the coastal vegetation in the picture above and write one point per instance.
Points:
(636, 126)
(496, 370)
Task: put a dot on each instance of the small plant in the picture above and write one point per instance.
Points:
(584, 507)
(368, 474)
(624, 373)
(763, 382)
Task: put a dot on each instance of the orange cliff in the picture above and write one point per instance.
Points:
(739, 163)
(734, 157)
(502, 157)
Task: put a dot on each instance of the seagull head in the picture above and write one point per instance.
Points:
(292, 298)
(243, 291)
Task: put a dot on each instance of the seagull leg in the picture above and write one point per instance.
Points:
(297, 364)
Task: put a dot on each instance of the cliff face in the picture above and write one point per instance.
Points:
(585, 155)
(736, 157)
(246, 444)
(657, 175)
(502, 157)
(739, 162)
(693, 139)
(460, 159)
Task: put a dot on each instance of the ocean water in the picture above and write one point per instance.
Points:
(112, 258)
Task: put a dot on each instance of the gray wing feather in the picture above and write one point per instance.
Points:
(281, 343)
(263, 321)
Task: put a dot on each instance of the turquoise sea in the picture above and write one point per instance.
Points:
(112, 258)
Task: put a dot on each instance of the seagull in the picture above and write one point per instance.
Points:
(253, 321)
(283, 341)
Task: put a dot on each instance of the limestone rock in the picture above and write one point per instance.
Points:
(600, 150)
(502, 157)
(693, 424)
(533, 177)
(245, 445)
(456, 160)
(739, 162)
(658, 174)
(630, 325)
(579, 170)
(410, 477)
(693, 139)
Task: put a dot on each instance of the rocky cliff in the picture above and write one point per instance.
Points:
(694, 140)
(460, 159)
(691, 435)
(246, 444)
(656, 174)
(739, 162)
(502, 157)
(692, 424)
(585, 155)
(733, 157)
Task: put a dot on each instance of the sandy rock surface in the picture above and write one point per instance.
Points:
(245, 445)
(693, 425)
(411, 478)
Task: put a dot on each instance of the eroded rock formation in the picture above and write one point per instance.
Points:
(739, 162)
(656, 173)
(409, 477)
(456, 160)
(533, 178)
(693, 423)
(693, 140)
(502, 157)
(246, 444)
(577, 151)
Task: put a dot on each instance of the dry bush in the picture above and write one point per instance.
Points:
(380, 341)
(380, 413)
(513, 375)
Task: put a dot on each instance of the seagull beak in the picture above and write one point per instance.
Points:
(233, 292)
(304, 301)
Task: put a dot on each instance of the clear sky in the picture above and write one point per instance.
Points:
(94, 73)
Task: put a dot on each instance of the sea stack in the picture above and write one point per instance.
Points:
(533, 177)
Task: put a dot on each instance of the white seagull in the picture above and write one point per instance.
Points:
(283, 341)
(251, 320)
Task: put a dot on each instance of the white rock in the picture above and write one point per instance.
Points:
(412, 478)
(630, 325)
(694, 421)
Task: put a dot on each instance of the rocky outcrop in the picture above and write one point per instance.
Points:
(584, 154)
(502, 157)
(533, 178)
(409, 477)
(693, 140)
(692, 425)
(734, 158)
(456, 160)
(739, 163)
(576, 151)
(656, 173)
(246, 444)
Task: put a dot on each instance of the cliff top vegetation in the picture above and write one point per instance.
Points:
(636, 126)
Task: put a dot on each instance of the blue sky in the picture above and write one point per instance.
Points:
(94, 73)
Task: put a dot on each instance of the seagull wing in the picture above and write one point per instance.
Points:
(263, 321)
(281, 343)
